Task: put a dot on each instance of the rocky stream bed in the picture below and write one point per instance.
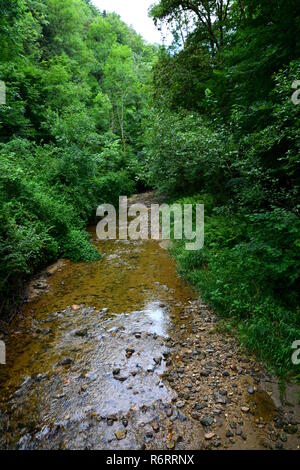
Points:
(121, 354)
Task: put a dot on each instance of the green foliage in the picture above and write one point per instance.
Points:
(249, 270)
(185, 154)
(77, 247)
(234, 135)
(75, 82)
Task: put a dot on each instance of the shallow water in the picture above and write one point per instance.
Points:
(120, 354)
(62, 363)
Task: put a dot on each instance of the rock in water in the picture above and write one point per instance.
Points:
(121, 434)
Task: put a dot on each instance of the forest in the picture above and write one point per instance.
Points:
(94, 112)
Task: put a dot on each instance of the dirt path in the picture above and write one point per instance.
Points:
(121, 354)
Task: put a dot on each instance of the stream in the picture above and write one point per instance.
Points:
(121, 354)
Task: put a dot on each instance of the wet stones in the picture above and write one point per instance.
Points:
(170, 444)
(155, 425)
(290, 429)
(204, 373)
(245, 409)
(81, 333)
(121, 378)
(157, 360)
(67, 361)
(283, 438)
(129, 352)
(124, 422)
(120, 434)
(75, 308)
(219, 398)
(210, 435)
(180, 404)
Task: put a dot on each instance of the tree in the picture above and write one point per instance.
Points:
(210, 16)
(118, 84)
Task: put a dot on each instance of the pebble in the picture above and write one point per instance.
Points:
(180, 404)
(121, 434)
(171, 444)
(155, 425)
(81, 333)
(207, 421)
(157, 360)
(129, 352)
(75, 308)
(209, 436)
(245, 409)
(125, 422)
(67, 361)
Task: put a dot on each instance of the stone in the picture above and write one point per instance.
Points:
(125, 422)
(219, 398)
(129, 352)
(121, 434)
(121, 378)
(251, 390)
(112, 417)
(155, 425)
(204, 373)
(171, 444)
(209, 436)
(81, 333)
(67, 361)
(180, 404)
(245, 409)
(291, 429)
(75, 308)
(207, 420)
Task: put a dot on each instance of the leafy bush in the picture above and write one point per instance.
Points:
(47, 196)
(71, 126)
(186, 155)
(249, 270)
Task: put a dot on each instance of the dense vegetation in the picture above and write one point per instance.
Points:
(70, 132)
(93, 112)
(226, 132)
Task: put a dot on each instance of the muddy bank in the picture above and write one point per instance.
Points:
(120, 354)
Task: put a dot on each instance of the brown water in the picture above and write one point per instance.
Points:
(59, 379)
